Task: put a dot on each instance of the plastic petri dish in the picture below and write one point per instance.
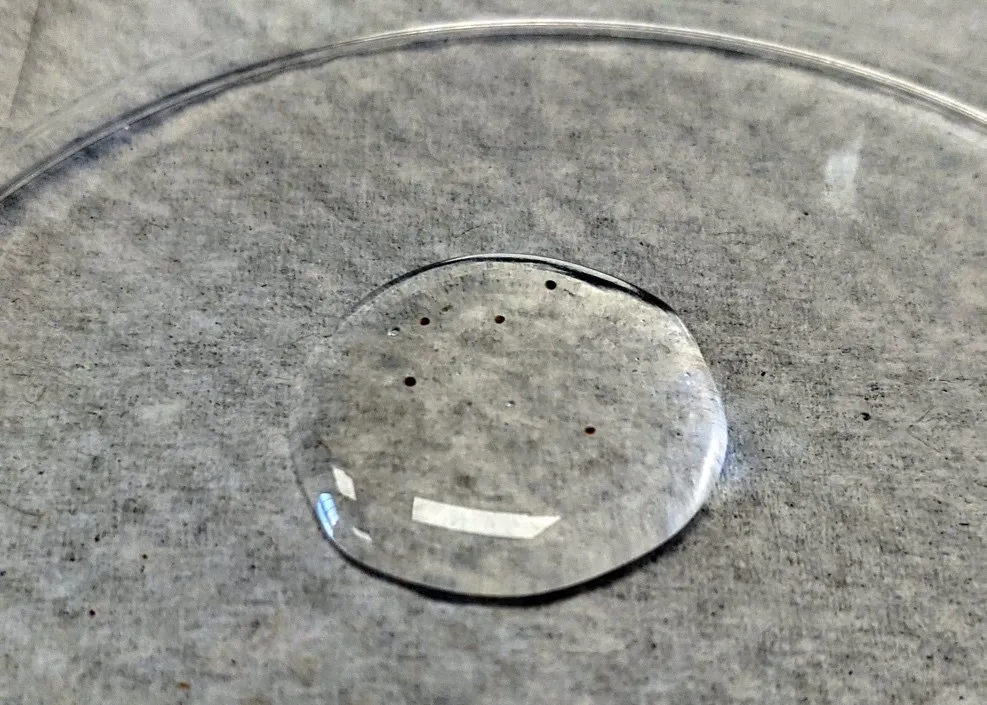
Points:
(808, 195)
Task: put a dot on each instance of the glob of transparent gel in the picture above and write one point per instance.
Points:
(506, 426)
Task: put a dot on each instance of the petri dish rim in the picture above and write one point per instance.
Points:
(51, 142)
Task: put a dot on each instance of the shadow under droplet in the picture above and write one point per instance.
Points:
(599, 582)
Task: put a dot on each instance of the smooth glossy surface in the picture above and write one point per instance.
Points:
(507, 426)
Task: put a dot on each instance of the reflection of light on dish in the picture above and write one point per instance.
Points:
(479, 521)
(344, 483)
(360, 534)
(13, 179)
(325, 509)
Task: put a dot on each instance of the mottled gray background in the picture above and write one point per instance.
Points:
(153, 544)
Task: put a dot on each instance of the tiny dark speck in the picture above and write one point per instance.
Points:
(183, 686)
(92, 613)
(865, 416)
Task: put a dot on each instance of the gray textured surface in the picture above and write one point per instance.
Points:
(157, 304)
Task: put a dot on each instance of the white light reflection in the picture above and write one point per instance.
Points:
(344, 483)
(479, 521)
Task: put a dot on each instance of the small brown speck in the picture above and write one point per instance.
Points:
(465, 481)
(184, 686)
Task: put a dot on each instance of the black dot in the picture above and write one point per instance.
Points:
(410, 381)
(550, 284)
(865, 416)
(425, 321)
(143, 556)
(92, 613)
(590, 430)
(499, 319)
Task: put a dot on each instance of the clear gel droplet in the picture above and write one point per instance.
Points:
(612, 437)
